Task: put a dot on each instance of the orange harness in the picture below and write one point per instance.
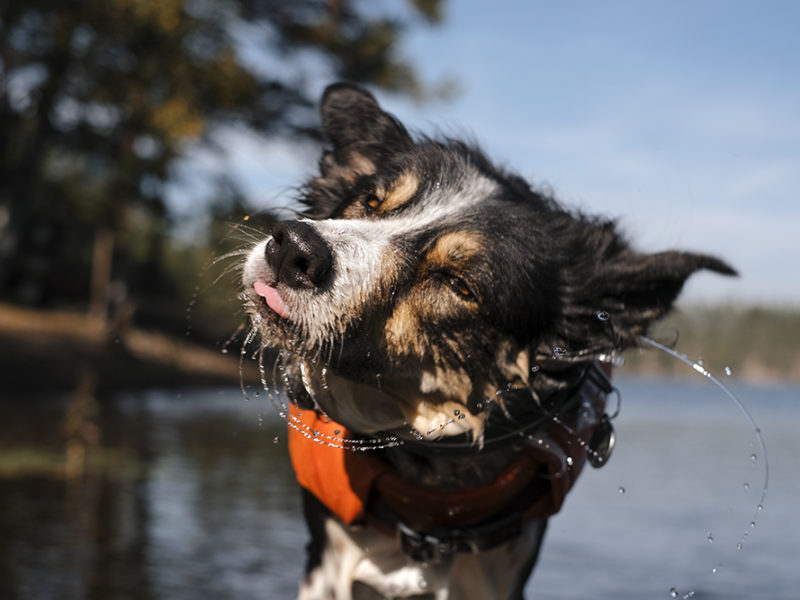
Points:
(350, 482)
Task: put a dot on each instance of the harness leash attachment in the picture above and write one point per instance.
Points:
(361, 486)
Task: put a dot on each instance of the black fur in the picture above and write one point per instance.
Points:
(556, 286)
(547, 272)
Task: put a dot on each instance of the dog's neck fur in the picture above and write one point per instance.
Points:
(444, 471)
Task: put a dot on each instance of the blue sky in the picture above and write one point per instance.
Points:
(680, 118)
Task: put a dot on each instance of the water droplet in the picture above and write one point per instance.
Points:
(337, 432)
(746, 485)
(700, 362)
(570, 461)
(754, 457)
(728, 371)
(535, 369)
(461, 416)
(603, 315)
(710, 538)
(456, 412)
(739, 546)
(760, 507)
(752, 524)
(673, 593)
(621, 490)
(559, 351)
(276, 439)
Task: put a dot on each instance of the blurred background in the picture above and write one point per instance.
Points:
(138, 136)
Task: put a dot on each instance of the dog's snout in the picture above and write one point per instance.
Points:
(298, 255)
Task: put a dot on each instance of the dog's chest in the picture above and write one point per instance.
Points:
(360, 563)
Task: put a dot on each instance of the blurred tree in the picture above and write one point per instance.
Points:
(99, 98)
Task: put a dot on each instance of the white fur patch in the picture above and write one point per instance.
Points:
(364, 259)
(363, 554)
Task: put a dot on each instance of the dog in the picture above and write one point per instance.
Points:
(446, 333)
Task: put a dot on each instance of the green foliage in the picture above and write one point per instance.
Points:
(100, 99)
(754, 342)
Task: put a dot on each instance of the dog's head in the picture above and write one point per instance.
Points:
(424, 280)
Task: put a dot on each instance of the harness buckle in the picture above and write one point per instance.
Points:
(425, 547)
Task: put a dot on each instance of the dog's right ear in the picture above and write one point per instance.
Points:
(361, 133)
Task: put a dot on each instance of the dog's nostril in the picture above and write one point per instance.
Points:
(298, 255)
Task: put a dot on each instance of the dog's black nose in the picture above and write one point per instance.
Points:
(298, 256)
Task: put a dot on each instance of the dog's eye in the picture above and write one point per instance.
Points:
(371, 203)
(461, 288)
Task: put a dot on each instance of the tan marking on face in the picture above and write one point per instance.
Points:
(402, 331)
(455, 249)
(450, 383)
(399, 193)
(515, 369)
(357, 166)
(435, 420)
(437, 405)
(354, 166)
(452, 251)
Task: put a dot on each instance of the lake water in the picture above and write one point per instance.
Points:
(190, 495)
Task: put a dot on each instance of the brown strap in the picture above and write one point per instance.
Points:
(344, 479)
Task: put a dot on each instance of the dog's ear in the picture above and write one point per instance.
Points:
(351, 115)
(617, 294)
(359, 130)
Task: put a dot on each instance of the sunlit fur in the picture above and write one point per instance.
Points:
(451, 285)
(447, 271)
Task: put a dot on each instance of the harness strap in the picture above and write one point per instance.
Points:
(328, 471)
(362, 486)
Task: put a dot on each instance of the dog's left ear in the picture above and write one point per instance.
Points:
(361, 133)
(623, 294)
(351, 115)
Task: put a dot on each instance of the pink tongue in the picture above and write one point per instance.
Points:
(270, 294)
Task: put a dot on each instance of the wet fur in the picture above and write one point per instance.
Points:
(445, 284)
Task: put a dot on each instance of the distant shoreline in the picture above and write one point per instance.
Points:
(755, 343)
(43, 350)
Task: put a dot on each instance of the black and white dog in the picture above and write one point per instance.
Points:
(440, 313)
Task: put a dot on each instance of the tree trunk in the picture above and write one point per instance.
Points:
(101, 274)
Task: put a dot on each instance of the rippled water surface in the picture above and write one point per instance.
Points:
(190, 495)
